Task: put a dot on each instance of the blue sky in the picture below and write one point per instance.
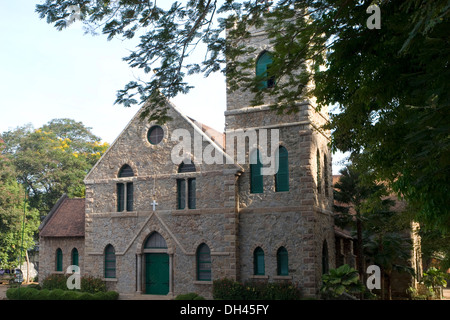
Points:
(47, 74)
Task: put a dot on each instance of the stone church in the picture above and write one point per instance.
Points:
(161, 219)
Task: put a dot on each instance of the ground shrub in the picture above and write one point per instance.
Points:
(189, 296)
(111, 295)
(58, 294)
(92, 284)
(226, 289)
(87, 283)
(55, 281)
(11, 293)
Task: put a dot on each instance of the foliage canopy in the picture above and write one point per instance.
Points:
(389, 86)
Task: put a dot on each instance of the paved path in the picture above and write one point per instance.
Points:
(3, 288)
(447, 294)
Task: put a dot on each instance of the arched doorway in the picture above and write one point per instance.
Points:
(156, 265)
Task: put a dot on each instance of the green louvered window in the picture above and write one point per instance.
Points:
(203, 263)
(186, 188)
(262, 65)
(120, 197)
(59, 260)
(125, 190)
(130, 196)
(282, 262)
(256, 178)
(122, 190)
(181, 194)
(282, 175)
(325, 262)
(319, 175)
(325, 175)
(191, 193)
(258, 262)
(110, 262)
(75, 257)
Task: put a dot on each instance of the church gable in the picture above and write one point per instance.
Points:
(151, 149)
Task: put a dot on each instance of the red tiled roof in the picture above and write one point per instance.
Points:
(213, 134)
(66, 219)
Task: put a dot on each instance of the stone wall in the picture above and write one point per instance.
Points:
(47, 255)
(228, 218)
(212, 222)
(301, 218)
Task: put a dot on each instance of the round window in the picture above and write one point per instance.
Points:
(155, 134)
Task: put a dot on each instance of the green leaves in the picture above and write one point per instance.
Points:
(340, 280)
(52, 160)
(390, 85)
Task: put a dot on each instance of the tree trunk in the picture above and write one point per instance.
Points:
(28, 266)
(360, 250)
(388, 285)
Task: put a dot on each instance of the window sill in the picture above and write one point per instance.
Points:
(259, 277)
(58, 272)
(110, 279)
(183, 212)
(282, 277)
(203, 282)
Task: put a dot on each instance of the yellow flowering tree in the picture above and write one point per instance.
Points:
(53, 159)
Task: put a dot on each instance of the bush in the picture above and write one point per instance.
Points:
(339, 281)
(55, 281)
(88, 283)
(11, 293)
(58, 294)
(43, 294)
(35, 286)
(226, 289)
(92, 284)
(111, 295)
(189, 296)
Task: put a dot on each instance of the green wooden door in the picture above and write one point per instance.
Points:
(157, 273)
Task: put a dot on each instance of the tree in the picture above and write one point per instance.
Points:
(366, 203)
(389, 85)
(52, 160)
(18, 222)
(351, 194)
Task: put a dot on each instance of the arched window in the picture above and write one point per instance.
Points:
(325, 174)
(282, 262)
(282, 175)
(319, 176)
(191, 187)
(75, 257)
(262, 65)
(186, 167)
(125, 190)
(59, 260)
(126, 171)
(110, 262)
(258, 262)
(256, 178)
(203, 263)
(325, 263)
(155, 241)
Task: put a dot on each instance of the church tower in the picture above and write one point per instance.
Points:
(285, 218)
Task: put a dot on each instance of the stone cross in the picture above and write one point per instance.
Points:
(154, 204)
